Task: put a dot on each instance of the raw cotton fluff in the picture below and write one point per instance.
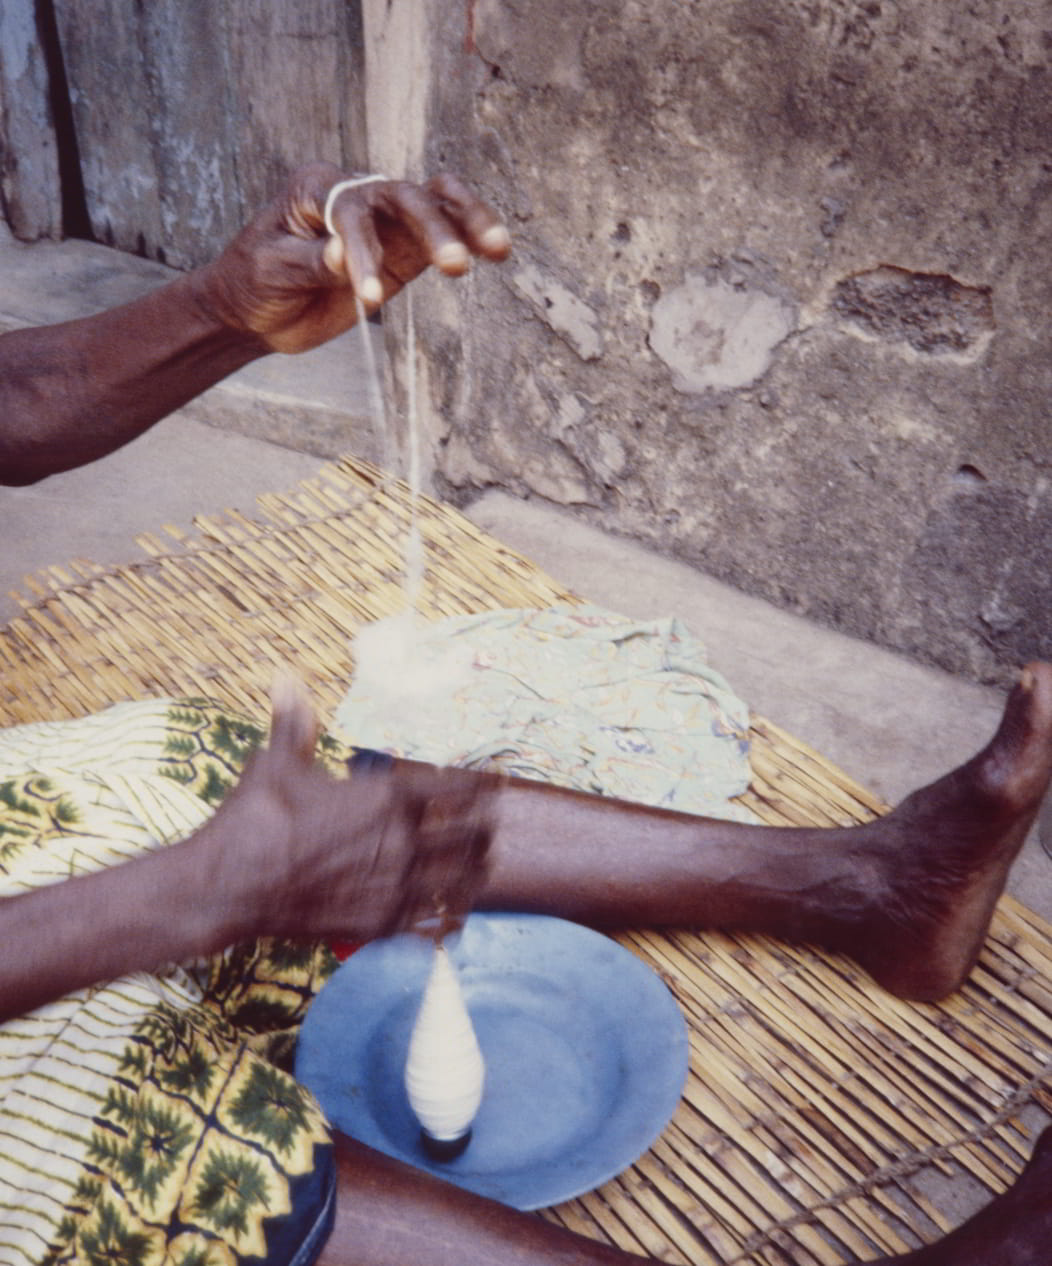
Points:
(400, 668)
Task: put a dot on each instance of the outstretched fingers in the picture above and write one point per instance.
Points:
(301, 272)
(478, 223)
(388, 232)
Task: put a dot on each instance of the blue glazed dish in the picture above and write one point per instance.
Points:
(585, 1050)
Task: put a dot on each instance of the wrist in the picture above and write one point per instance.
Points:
(213, 297)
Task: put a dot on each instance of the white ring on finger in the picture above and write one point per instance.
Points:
(338, 188)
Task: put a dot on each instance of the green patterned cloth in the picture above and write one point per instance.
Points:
(148, 1122)
(571, 695)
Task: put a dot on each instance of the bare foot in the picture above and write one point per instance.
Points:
(1013, 1230)
(946, 850)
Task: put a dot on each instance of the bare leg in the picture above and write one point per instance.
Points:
(909, 896)
(388, 1214)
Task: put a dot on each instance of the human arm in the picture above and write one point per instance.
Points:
(292, 852)
(389, 1213)
(72, 393)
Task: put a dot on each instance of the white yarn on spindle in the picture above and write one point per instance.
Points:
(444, 1072)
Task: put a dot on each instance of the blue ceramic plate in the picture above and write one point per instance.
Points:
(585, 1050)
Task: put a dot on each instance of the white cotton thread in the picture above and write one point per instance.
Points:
(414, 554)
(444, 1073)
(377, 411)
(392, 657)
(353, 182)
(414, 562)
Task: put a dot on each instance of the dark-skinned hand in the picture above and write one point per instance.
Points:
(286, 281)
(311, 855)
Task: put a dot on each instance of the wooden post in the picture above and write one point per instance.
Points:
(29, 181)
(189, 116)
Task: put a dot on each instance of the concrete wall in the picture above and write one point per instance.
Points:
(779, 302)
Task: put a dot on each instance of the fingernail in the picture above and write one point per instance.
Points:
(452, 255)
(1026, 680)
(496, 238)
(332, 254)
(372, 291)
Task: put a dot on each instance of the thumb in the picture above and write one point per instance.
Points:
(311, 262)
(293, 725)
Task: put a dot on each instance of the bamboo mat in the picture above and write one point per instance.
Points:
(817, 1107)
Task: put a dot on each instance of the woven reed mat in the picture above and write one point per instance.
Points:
(817, 1106)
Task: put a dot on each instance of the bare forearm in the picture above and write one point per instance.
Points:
(292, 852)
(72, 393)
(136, 916)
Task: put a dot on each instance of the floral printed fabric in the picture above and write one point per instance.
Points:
(570, 695)
(140, 1122)
(148, 1122)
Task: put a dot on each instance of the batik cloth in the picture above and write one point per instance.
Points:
(149, 1122)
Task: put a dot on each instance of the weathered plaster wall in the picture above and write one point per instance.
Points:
(780, 297)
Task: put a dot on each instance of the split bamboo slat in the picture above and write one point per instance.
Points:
(815, 1104)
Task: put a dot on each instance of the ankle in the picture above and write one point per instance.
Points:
(837, 908)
